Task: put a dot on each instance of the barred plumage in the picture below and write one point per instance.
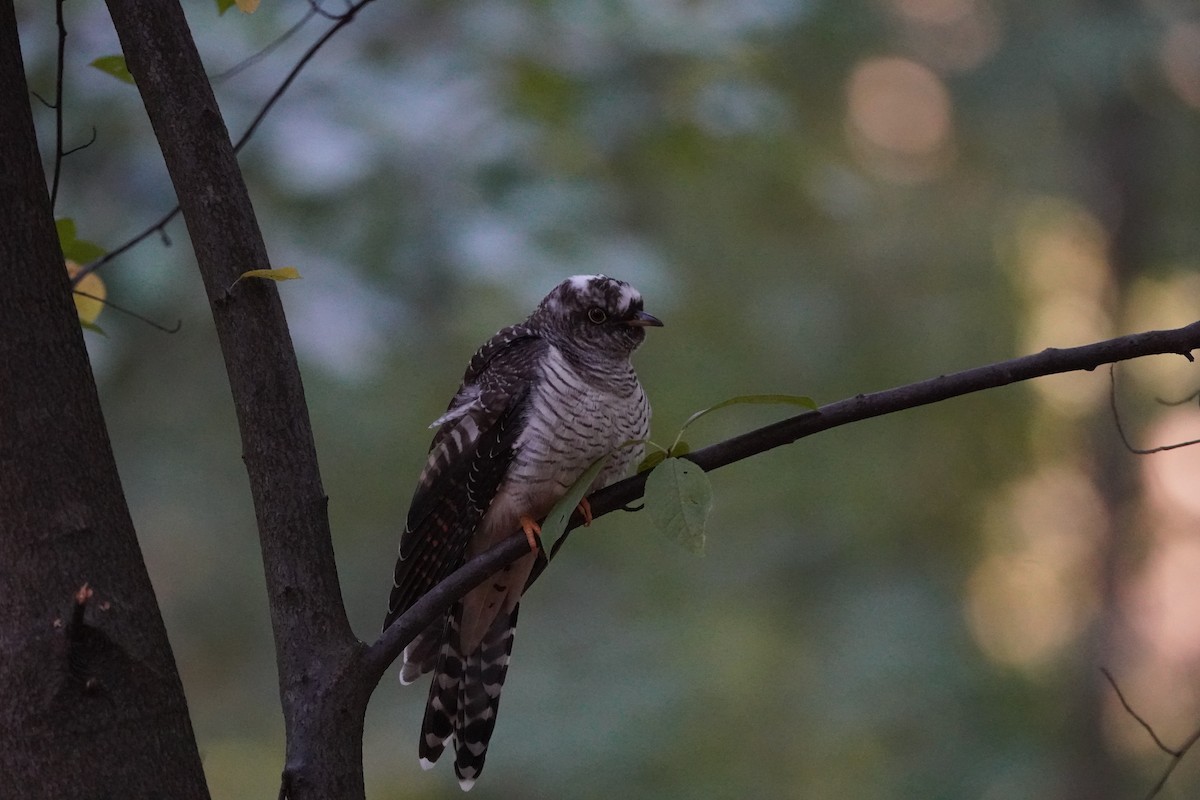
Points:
(540, 402)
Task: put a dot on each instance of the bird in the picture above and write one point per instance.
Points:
(539, 403)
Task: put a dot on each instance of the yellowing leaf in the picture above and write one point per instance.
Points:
(247, 6)
(93, 327)
(115, 66)
(88, 295)
(278, 274)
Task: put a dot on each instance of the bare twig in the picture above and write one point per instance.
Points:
(134, 314)
(1175, 759)
(316, 9)
(1129, 709)
(1112, 402)
(1175, 754)
(83, 146)
(270, 47)
(340, 21)
(58, 104)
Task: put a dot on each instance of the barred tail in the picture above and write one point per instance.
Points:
(422, 653)
(465, 696)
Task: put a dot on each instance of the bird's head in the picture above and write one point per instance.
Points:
(596, 314)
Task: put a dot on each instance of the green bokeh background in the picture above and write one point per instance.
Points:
(820, 198)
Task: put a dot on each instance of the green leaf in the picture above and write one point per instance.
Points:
(223, 6)
(756, 399)
(115, 66)
(556, 520)
(78, 250)
(652, 460)
(678, 499)
(93, 327)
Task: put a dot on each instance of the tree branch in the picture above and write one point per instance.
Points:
(313, 641)
(1178, 341)
(434, 603)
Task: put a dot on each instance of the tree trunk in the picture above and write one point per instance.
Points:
(92, 705)
(322, 690)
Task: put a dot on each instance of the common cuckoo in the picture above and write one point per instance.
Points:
(539, 403)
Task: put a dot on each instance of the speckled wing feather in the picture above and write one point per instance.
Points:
(467, 461)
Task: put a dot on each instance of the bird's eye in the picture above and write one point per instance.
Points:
(596, 314)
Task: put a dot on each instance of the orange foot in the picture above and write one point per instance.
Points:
(585, 508)
(532, 531)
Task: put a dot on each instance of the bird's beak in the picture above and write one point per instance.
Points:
(643, 320)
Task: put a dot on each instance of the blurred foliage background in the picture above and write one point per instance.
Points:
(819, 198)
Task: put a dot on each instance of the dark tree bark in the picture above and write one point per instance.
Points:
(316, 652)
(91, 703)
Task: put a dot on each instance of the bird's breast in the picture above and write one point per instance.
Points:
(571, 421)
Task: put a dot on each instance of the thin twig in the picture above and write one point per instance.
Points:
(270, 47)
(58, 104)
(1175, 754)
(134, 314)
(83, 146)
(316, 9)
(1112, 402)
(1129, 709)
(1162, 781)
(340, 22)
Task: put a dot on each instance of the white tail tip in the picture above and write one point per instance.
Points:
(426, 764)
(466, 783)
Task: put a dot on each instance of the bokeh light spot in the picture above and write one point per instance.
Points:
(898, 117)
(1180, 59)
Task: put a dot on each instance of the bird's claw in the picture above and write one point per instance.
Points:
(585, 510)
(532, 532)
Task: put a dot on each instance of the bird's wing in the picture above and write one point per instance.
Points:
(468, 459)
